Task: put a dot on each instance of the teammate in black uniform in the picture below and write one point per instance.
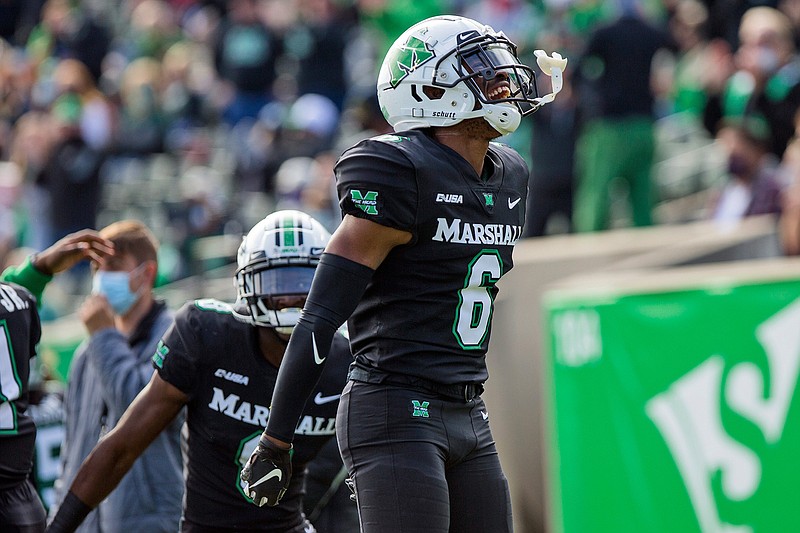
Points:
(216, 363)
(21, 510)
(431, 217)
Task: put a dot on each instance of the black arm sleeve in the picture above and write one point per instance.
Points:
(335, 292)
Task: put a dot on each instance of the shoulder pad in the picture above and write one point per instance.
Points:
(212, 304)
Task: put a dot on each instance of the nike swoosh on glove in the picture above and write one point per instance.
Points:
(267, 473)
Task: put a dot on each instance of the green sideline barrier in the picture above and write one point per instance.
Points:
(673, 401)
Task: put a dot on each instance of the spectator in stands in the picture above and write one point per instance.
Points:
(11, 218)
(68, 30)
(552, 181)
(309, 127)
(244, 57)
(96, 120)
(152, 30)
(767, 82)
(752, 187)
(790, 202)
(317, 46)
(16, 78)
(71, 176)
(141, 121)
(307, 184)
(696, 67)
(183, 99)
(617, 139)
(124, 322)
(31, 144)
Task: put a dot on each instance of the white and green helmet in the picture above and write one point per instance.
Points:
(428, 77)
(277, 258)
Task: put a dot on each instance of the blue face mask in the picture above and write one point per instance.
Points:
(115, 286)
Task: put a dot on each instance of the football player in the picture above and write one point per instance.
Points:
(21, 510)
(216, 360)
(432, 213)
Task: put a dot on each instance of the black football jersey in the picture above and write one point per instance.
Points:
(21, 331)
(428, 310)
(215, 359)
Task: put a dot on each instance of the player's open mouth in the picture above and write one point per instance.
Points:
(498, 92)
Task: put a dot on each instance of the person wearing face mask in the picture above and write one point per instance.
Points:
(752, 187)
(765, 82)
(124, 322)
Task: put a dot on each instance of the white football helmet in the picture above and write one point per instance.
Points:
(277, 258)
(428, 77)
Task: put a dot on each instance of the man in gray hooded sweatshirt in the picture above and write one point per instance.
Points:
(125, 323)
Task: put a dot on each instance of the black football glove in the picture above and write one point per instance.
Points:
(267, 473)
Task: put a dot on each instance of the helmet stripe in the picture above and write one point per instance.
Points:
(300, 226)
(277, 233)
(288, 232)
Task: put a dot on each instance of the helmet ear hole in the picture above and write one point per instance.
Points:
(433, 93)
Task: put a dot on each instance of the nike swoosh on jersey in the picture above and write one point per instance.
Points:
(485, 415)
(317, 359)
(512, 205)
(274, 473)
(319, 399)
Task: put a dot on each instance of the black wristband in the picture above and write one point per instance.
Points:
(268, 444)
(70, 515)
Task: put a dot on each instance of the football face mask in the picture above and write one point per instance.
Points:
(266, 289)
(491, 69)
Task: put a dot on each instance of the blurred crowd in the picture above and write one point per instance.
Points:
(198, 117)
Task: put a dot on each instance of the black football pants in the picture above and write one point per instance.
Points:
(419, 462)
(21, 510)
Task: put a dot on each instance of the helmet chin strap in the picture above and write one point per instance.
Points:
(553, 66)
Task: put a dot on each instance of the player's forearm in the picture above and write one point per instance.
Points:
(296, 379)
(29, 277)
(102, 471)
(99, 474)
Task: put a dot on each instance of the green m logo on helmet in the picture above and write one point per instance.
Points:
(406, 59)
